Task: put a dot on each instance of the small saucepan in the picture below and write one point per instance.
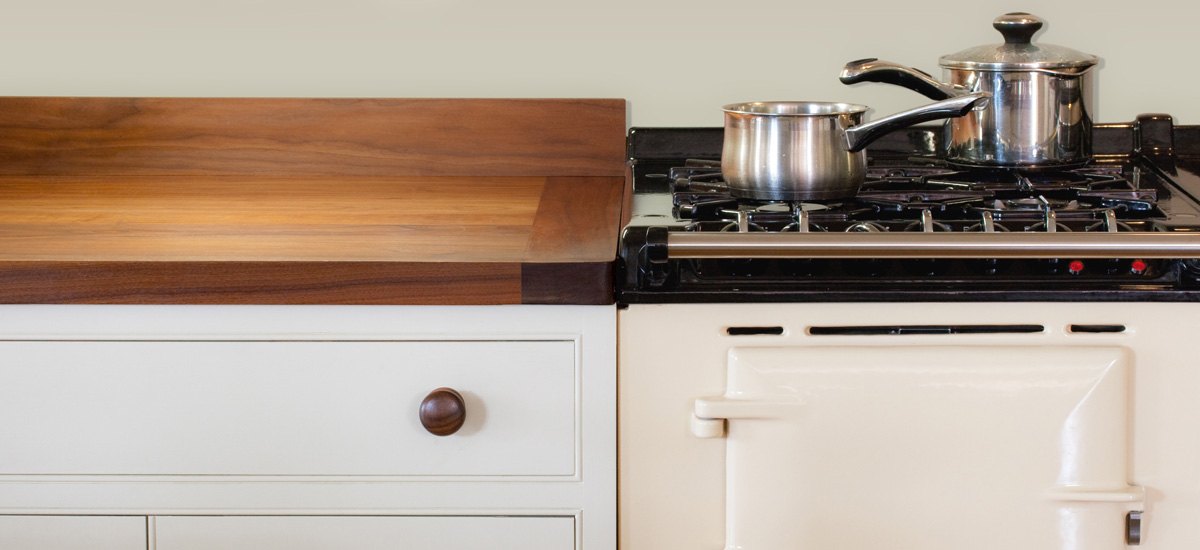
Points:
(806, 150)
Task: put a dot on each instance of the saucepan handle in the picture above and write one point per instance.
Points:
(875, 70)
(858, 137)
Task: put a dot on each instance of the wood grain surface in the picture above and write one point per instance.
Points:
(239, 239)
(281, 201)
(321, 137)
(238, 218)
(260, 282)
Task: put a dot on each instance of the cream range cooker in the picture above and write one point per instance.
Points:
(951, 359)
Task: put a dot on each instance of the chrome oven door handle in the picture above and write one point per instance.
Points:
(1030, 245)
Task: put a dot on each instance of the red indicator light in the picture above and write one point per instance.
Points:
(1137, 267)
(1075, 267)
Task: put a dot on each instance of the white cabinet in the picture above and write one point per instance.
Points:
(262, 421)
(73, 532)
(364, 533)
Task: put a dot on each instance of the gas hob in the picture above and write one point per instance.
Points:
(1124, 227)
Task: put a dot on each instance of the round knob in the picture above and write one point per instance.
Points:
(443, 412)
(1018, 27)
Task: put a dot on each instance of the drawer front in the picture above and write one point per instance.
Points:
(364, 533)
(73, 532)
(285, 408)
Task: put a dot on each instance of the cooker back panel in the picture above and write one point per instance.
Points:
(1044, 426)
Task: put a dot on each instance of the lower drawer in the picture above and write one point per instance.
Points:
(73, 532)
(363, 533)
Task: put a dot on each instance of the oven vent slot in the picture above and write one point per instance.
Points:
(903, 330)
(1091, 329)
(754, 331)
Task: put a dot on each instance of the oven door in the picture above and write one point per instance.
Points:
(931, 447)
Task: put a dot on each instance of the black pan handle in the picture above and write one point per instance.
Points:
(874, 70)
(858, 137)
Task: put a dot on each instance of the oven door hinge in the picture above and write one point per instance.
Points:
(1133, 528)
(1134, 498)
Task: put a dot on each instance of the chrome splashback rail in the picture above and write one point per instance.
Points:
(1028, 245)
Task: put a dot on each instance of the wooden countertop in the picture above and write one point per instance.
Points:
(89, 214)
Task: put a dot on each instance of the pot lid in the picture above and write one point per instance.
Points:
(1018, 52)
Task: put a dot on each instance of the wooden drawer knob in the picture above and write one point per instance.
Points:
(443, 412)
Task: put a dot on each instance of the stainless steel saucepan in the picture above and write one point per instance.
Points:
(1040, 111)
(806, 150)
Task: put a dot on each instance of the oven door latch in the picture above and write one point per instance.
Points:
(710, 414)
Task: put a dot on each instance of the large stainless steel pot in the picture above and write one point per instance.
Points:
(1040, 111)
(806, 150)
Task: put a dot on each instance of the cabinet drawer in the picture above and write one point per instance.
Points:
(73, 532)
(363, 533)
(285, 407)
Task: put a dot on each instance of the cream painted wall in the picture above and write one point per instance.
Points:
(676, 61)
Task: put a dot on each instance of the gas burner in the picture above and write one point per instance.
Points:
(773, 216)
(1142, 200)
(710, 207)
(866, 227)
(775, 207)
(926, 224)
(701, 207)
(1029, 182)
(913, 200)
(906, 173)
(698, 179)
(1039, 202)
(791, 207)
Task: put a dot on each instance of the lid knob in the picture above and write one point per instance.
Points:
(1017, 27)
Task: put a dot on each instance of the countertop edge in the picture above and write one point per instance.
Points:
(305, 282)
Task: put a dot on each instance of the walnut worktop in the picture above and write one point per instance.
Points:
(248, 219)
